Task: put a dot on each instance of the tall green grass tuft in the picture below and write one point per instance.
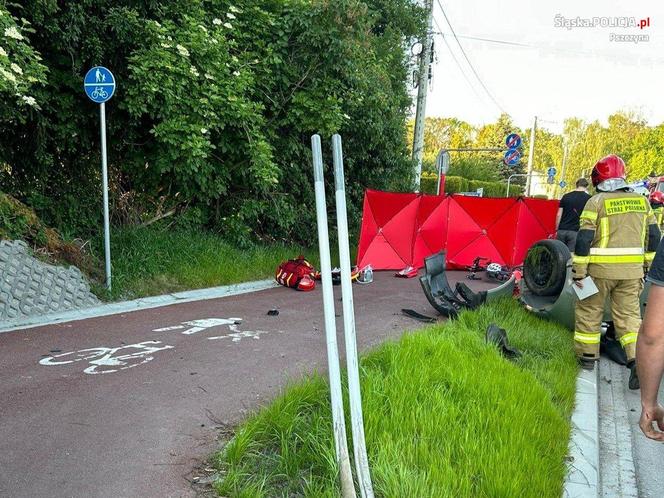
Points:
(445, 416)
(150, 260)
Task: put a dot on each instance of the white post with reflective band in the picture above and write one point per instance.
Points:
(336, 399)
(357, 422)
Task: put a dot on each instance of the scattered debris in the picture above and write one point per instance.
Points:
(366, 275)
(407, 272)
(497, 336)
(418, 316)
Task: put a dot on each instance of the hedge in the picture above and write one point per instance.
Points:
(456, 184)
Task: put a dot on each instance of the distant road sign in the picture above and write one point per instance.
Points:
(513, 141)
(99, 84)
(550, 180)
(563, 184)
(551, 171)
(512, 157)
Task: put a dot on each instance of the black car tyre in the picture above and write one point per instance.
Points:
(545, 267)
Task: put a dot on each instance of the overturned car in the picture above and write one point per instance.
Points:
(547, 288)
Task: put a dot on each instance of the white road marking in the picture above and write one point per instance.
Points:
(238, 336)
(104, 359)
(168, 329)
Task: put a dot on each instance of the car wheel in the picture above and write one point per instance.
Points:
(544, 270)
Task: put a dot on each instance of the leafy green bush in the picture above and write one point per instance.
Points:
(494, 189)
(20, 69)
(475, 168)
(456, 184)
(215, 107)
(428, 183)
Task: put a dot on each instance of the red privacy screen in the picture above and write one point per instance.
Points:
(400, 230)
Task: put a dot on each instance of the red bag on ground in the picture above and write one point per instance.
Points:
(297, 274)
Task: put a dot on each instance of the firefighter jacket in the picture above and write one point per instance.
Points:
(618, 237)
(658, 211)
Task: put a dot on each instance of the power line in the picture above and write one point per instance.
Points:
(500, 42)
(463, 52)
(456, 61)
(581, 53)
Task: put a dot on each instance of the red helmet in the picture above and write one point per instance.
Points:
(610, 167)
(657, 197)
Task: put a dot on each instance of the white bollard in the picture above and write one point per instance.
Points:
(336, 399)
(355, 396)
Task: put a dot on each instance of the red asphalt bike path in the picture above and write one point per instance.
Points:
(143, 430)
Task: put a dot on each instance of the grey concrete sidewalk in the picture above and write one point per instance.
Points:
(630, 464)
(583, 477)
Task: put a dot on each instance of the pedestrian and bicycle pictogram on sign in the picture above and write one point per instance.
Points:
(99, 84)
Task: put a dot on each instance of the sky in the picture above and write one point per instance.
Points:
(560, 73)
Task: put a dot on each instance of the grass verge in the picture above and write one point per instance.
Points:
(445, 416)
(150, 260)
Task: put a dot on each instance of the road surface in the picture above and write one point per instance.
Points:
(136, 418)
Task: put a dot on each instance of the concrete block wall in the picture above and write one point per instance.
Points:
(29, 287)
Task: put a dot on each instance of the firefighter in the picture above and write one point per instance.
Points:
(657, 204)
(617, 240)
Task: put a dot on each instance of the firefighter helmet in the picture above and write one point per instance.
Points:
(609, 174)
(657, 197)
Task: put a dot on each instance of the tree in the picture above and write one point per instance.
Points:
(20, 69)
(215, 106)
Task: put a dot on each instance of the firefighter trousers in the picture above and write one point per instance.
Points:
(624, 297)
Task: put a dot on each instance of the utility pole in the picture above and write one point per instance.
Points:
(422, 88)
(531, 153)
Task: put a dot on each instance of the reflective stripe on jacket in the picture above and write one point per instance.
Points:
(618, 236)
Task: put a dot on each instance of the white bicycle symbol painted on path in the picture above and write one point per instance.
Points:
(108, 360)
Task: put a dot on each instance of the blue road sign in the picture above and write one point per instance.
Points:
(551, 171)
(512, 157)
(99, 84)
(563, 184)
(513, 141)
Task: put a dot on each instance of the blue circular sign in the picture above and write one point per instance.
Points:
(512, 157)
(513, 141)
(99, 84)
(551, 171)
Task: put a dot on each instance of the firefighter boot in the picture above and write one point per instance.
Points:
(633, 376)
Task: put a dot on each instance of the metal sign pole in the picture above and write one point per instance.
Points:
(334, 372)
(99, 86)
(531, 155)
(354, 393)
(104, 171)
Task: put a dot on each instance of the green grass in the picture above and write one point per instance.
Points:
(151, 260)
(445, 416)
